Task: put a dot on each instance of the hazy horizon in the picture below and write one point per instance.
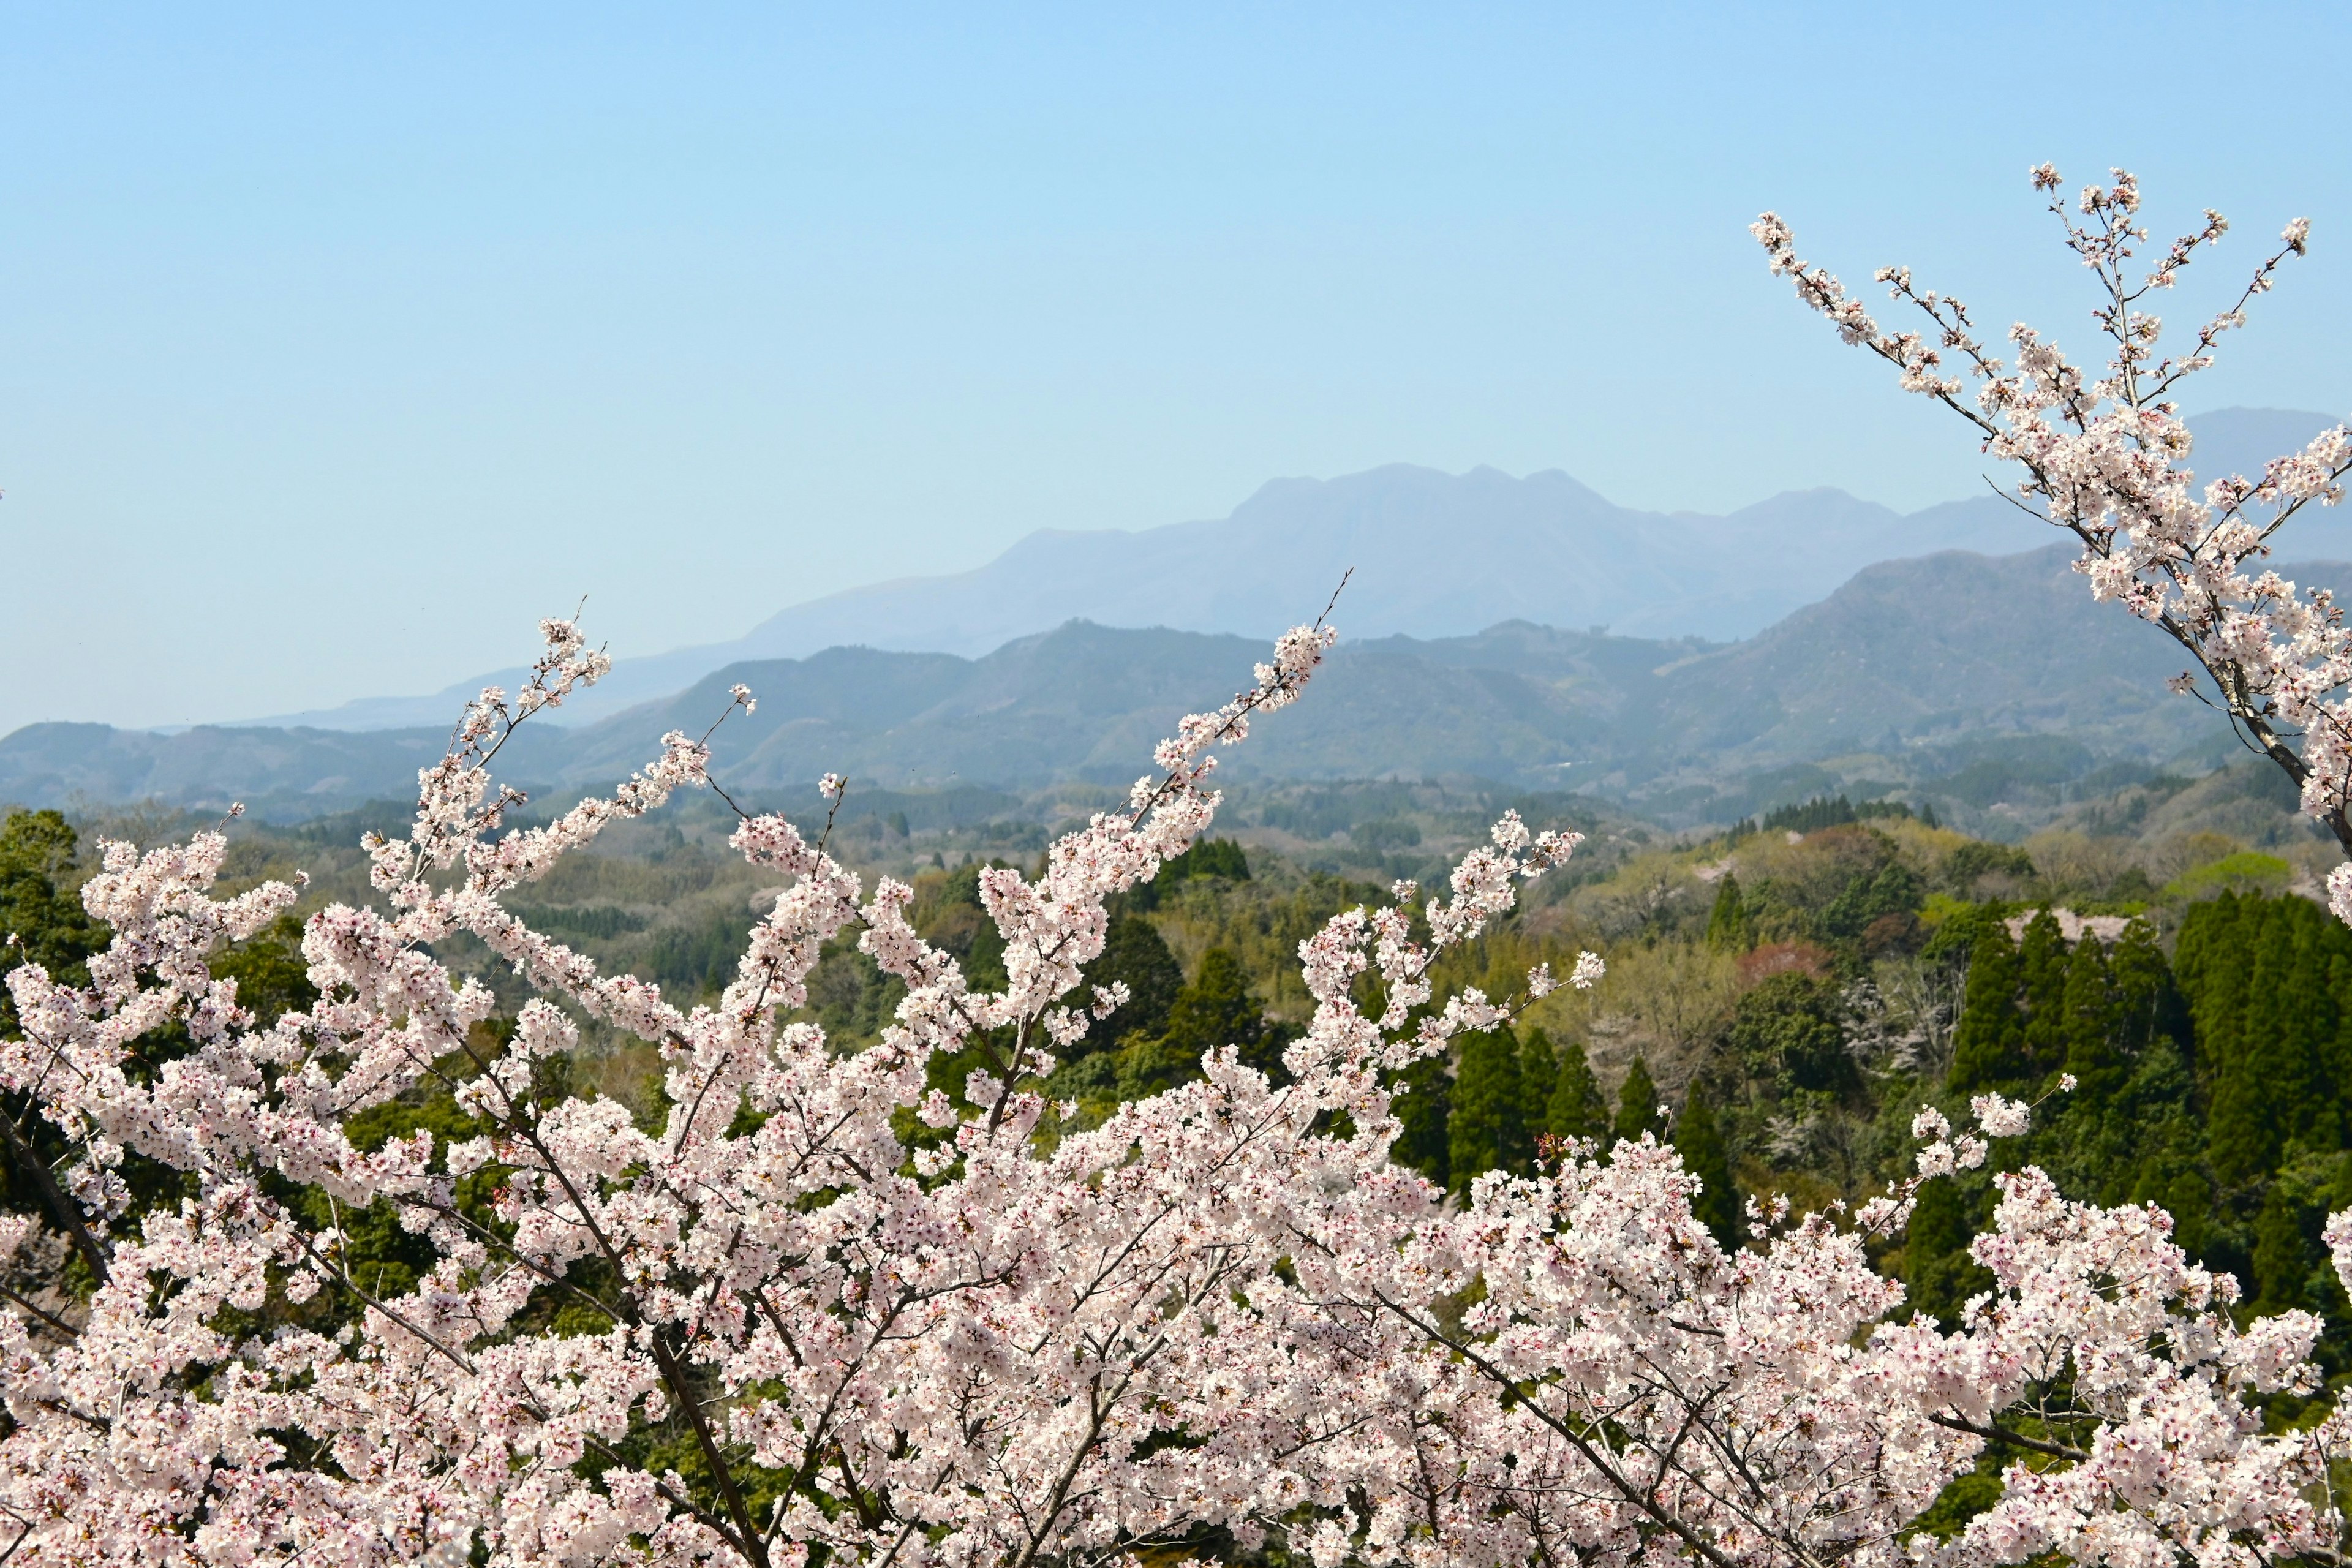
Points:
(346, 347)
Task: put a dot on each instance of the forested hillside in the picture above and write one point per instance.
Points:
(1780, 1000)
(1965, 680)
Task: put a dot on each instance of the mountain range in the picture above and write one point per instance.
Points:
(1434, 555)
(1522, 631)
(1980, 681)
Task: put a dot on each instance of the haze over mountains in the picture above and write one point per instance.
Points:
(1910, 673)
(1980, 682)
(1434, 555)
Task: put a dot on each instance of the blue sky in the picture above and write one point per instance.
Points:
(339, 347)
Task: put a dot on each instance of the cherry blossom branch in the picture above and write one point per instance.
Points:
(2104, 456)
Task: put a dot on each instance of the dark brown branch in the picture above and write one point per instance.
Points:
(2015, 1439)
(67, 1212)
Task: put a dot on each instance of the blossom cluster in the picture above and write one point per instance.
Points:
(2105, 456)
(896, 1324)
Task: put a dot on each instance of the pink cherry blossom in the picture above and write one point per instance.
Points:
(896, 1329)
(2105, 456)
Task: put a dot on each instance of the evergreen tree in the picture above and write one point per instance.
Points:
(2089, 1022)
(2304, 1037)
(2279, 1264)
(1637, 1105)
(2144, 1000)
(1788, 1028)
(1214, 1010)
(1134, 952)
(1576, 1109)
(2211, 961)
(1938, 1275)
(1209, 857)
(1424, 1096)
(51, 928)
(2265, 981)
(1700, 1142)
(1539, 1078)
(1487, 1129)
(2246, 1127)
(2042, 961)
(1989, 1041)
(1727, 924)
(1893, 889)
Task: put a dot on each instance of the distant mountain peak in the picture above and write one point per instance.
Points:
(1435, 553)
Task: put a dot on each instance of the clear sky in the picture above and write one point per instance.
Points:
(339, 344)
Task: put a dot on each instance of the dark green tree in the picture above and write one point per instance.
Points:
(1989, 1040)
(2212, 964)
(1212, 1012)
(1893, 889)
(1134, 952)
(2042, 957)
(1788, 1030)
(1727, 924)
(37, 907)
(2091, 1024)
(1487, 1130)
(1215, 1008)
(2145, 1001)
(1938, 1275)
(1700, 1142)
(2280, 1263)
(1576, 1109)
(2262, 978)
(1423, 1099)
(271, 974)
(1539, 1077)
(1637, 1105)
(1209, 857)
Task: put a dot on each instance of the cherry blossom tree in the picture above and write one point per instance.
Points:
(903, 1323)
(2106, 456)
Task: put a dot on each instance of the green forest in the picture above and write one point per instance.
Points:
(1780, 999)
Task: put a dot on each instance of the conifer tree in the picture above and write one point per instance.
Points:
(1938, 1274)
(1700, 1142)
(1576, 1109)
(2142, 989)
(2088, 1022)
(1539, 1077)
(2279, 1264)
(1134, 954)
(2212, 962)
(1424, 1094)
(1637, 1105)
(2335, 1052)
(1727, 924)
(1214, 1010)
(2268, 1086)
(2042, 961)
(1987, 1043)
(1486, 1128)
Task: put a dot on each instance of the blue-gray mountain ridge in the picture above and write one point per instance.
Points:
(1910, 674)
(1436, 555)
(1957, 677)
